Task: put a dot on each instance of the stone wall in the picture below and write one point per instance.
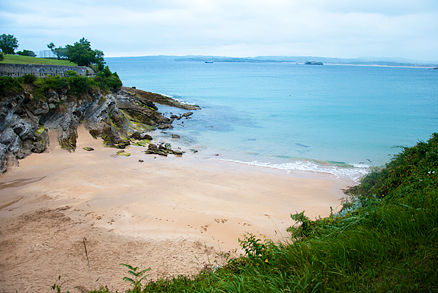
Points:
(18, 70)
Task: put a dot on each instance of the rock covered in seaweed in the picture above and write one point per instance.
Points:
(163, 149)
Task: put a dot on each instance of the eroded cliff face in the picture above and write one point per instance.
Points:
(117, 118)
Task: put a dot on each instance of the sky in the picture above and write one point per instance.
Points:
(237, 28)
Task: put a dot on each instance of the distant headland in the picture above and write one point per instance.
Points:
(380, 61)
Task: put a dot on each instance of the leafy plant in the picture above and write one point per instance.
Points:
(138, 277)
(57, 287)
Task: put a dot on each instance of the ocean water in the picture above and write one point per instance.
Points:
(335, 119)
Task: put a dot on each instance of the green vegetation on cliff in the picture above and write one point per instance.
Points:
(385, 239)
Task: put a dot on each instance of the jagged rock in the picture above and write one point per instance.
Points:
(147, 104)
(165, 146)
(163, 120)
(160, 99)
(20, 154)
(38, 107)
(163, 150)
(178, 153)
(146, 136)
(136, 135)
(21, 149)
(3, 161)
(162, 153)
(52, 97)
(152, 148)
(8, 136)
(121, 144)
(23, 128)
(165, 126)
(38, 147)
(187, 114)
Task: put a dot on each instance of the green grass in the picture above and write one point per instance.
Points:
(385, 239)
(16, 59)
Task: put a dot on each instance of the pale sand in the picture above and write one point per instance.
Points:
(168, 213)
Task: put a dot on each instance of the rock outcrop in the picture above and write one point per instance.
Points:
(118, 118)
(159, 99)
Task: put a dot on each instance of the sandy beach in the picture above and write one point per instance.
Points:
(172, 214)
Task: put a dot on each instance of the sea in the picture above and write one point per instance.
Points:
(337, 119)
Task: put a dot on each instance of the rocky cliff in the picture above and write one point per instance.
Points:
(118, 118)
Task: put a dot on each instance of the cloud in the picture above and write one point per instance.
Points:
(337, 28)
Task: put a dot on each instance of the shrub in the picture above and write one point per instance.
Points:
(71, 73)
(9, 85)
(29, 78)
(109, 80)
(56, 83)
(79, 85)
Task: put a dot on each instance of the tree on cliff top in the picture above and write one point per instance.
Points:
(82, 54)
(60, 52)
(8, 43)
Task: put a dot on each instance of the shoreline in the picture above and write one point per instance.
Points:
(195, 202)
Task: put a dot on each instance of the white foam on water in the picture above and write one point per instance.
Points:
(352, 172)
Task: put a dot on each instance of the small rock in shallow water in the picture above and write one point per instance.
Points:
(88, 149)
(141, 161)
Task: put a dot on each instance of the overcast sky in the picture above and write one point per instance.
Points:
(238, 28)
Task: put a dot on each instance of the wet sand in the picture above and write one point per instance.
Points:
(173, 214)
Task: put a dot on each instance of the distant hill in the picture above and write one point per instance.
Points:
(302, 59)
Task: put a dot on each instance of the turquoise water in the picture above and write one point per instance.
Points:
(333, 118)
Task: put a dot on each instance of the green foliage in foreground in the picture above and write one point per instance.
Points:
(73, 85)
(137, 276)
(17, 59)
(384, 240)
